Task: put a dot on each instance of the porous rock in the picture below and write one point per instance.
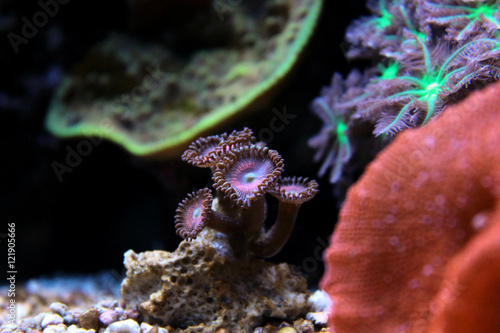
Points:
(199, 287)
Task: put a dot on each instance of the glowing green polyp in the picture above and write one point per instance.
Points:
(386, 17)
(389, 72)
(384, 21)
(341, 128)
(488, 12)
(194, 95)
(432, 89)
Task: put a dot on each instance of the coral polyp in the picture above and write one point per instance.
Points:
(243, 172)
(463, 18)
(201, 152)
(295, 190)
(248, 173)
(427, 55)
(193, 213)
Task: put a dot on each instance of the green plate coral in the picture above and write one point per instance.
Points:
(154, 100)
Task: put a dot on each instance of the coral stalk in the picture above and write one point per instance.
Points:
(273, 240)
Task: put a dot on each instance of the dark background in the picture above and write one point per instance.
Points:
(113, 201)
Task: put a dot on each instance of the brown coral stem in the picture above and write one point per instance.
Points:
(273, 241)
(243, 227)
(253, 218)
(223, 223)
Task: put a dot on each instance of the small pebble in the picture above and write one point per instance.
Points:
(320, 318)
(59, 308)
(125, 326)
(30, 322)
(119, 310)
(288, 330)
(106, 304)
(90, 319)
(60, 328)
(131, 314)
(145, 327)
(71, 319)
(76, 329)
(108, 317)
(12, 327)
(51, 319)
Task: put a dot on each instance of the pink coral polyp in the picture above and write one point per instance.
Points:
(193, 214)
(201, 153)
(247, 173)
(295, 190)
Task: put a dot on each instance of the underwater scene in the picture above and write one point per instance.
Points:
(250, 166)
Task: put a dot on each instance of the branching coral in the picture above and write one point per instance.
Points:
(243, 172)
(427, 56)
(416, 246)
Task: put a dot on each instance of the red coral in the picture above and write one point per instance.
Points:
(416, 248)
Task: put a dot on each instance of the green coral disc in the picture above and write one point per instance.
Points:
(154, 102)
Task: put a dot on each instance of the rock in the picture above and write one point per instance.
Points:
(76, 329)
(145, 328)
(59, 308)
(321, 303)
(90, 319)
(71, 318)
(287, 330)
(109, 316)
(108, 304)
(32, 323)
(11, 327)
(319, 318)
(60, 328)
(125, 326)
(131, 314)
(198, 286)
(303, 326)
(51, 319)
